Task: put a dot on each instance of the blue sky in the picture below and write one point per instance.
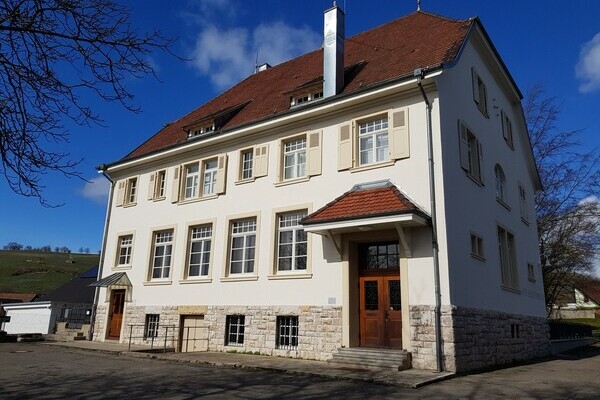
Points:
(553, 42)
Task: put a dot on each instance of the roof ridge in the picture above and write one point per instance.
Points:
(445, 18)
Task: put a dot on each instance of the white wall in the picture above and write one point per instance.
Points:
(36, 317)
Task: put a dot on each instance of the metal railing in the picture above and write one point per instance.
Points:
(156, 336)
(75, 315)
(194, 338)
(568, 330)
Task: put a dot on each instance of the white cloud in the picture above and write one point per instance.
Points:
(96, 190)
(588, 66)
(589, 199)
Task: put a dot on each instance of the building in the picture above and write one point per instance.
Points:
(292, 214)
(580, 299)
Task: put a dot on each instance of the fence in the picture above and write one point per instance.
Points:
(75, 315)
(569, 330)
(156, 335)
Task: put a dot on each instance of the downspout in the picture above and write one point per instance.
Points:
(102, 170)
(420, 75)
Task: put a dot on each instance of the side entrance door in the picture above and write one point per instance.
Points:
(115, 316)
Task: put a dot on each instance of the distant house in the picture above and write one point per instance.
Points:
(579, 300)
(65, 309)
(8, 298)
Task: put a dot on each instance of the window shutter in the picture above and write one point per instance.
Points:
(345, 148)
(175, 190)
(399, 146)
(261, 159)
(314, 153)
(280, 167)
(474, 82)
(221, 173)
(121, 193)
(152, 186)
(481, 169)
(504, 127)
(463, 140)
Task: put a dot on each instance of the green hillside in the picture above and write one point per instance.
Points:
(40, 272)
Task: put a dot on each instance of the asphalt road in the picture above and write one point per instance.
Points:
(38, 371)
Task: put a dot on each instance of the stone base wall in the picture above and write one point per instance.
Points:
(320, 328)
(475, 339)
(99, 332)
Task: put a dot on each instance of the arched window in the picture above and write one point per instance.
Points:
(500, 182)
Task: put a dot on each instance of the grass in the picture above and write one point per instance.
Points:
(593, 322)
(40, 272)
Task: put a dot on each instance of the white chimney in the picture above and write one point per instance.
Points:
(333, 52)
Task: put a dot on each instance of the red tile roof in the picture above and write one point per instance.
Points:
(391, 51)
(365, 201)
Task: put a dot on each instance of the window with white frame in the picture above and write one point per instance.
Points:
(523, 204)
(479, 92)
(500, 183)
(209, 178)
(131, 191)
(530, 272)
(246, 164)
(199, 250)
(287, 332)
(234, 330)
(242, 246)
(507, 130)
(125, 247)
(151, 326)
(192, 176)
(508, 265)
(373, 140)
(294, 158)
(162, 251)
(292, 242)
(477, 246)
(157, 187)
(471, 154)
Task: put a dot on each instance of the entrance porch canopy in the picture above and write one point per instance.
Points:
(118, 280)
(369, 206)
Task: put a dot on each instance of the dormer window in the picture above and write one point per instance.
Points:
(201, 130)
(305, 98)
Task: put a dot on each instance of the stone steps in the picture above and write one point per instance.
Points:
(65, 337)
(371, 359)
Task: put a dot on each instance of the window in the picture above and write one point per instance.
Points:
(157, 187)
(507, 131)
(209, 179)
(477, 246)
(234, 330)
(287, 332)
(242, 246)
(506, 248)
(471, 154)
(151, 326)
(373, 141)
(294, 158)
(161, 254)
(125, 247)
(201, 130)
(191, 180)
(305, 98)
(379, 256)
(247, 164)
(530, 272)
(479, 92)
(199, 250)
(291, 242)
(131, 191)
(500, 183)
(523, 204)
(127, 192)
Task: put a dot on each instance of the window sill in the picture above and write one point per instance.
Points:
(239, 278)
(189, 281)
(245, 181)
(292, 275)
(367, 167)
(121, 267)
(503, 203)
(292, 181)
(157, 283)
(510, 145)
(523, 220)
(159, 198)
(532, 280)
(129, 205)
(197, 199)
(477, 257)
(510, 289)
(483, 110)
(478, 182)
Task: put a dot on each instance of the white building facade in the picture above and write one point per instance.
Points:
(297, 223)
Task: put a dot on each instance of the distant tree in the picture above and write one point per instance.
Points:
(86, 250)
(28, 248)
(568, 210)
(81, 250)
(65, 250)
(57, 249)
(13, 246)
(46, 248)
(53, 55)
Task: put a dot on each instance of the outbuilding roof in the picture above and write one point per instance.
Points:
(383, 54)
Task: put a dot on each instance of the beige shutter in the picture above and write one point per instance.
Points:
(221, 173)
(280, 165)
(345, 147)
(176, 189)
(481, 169)
(261, 160)
(463, 141)
(474, 81)
(121, 193)
(152, 186)
(400, 142)
(314, 153)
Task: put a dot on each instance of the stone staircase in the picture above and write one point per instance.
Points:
(65, 336)
(371, 359)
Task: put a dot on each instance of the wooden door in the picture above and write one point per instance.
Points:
(193, 334)
(380, 312)
(115, 316)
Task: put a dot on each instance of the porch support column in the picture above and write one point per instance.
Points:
(406, 253)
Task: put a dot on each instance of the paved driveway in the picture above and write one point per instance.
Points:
(40, 371)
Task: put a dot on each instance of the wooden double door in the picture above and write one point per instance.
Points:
(115, 315)
(380, 311)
